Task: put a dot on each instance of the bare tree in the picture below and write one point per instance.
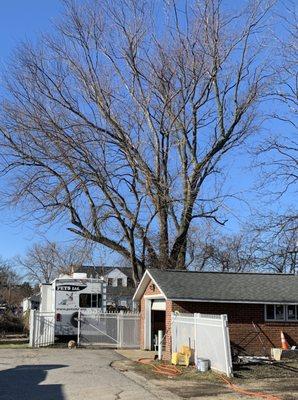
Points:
(8, 280)
(44, 262)
(279, 152)
(276, 243)
(216, 251)
(121, 121)
(264, 244)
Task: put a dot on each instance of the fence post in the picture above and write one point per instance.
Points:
(159, 341)
(32, 328)
(227, 346)
(79, 327)
(120, 330)
(174, 333)
(196, 339)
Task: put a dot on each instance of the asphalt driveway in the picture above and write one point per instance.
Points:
(62, 374)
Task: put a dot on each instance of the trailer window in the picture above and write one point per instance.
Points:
(90, 300)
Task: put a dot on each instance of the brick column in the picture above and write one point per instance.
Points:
(168, 338)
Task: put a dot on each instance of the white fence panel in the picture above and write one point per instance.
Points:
(121, 330)
(129, 326)
(42, 328)
(212, 341)
(183, 331)
(207, 336)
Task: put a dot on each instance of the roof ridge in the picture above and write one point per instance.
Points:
(223, 272)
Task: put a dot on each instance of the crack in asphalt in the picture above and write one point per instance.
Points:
(117, 395)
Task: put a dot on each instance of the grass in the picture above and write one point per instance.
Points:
(14, 346)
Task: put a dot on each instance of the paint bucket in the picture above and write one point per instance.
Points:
(203, 364)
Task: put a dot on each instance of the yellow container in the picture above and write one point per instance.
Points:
(175, 358)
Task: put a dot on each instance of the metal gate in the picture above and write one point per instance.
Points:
(120, 330)
(42, 328)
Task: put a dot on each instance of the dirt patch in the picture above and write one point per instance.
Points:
(280, 379)
(277, 370)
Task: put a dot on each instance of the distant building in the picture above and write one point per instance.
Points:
(31, 303)
(120, 287)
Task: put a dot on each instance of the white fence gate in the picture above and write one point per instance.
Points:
(183, 331)
(121, 330)
(212, 341)
(42, 328)
(207, 336)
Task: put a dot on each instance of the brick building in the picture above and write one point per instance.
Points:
(258, 306)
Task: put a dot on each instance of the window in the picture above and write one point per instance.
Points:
(292, 313)
(90, 300)
(119, 282)
(270, 311)
(279, 312)
(110, 281)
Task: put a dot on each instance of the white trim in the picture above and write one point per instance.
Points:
(158, 305)
(139, 286)
(157, 285)
(154, 296)
(232, 301)
(147, 274)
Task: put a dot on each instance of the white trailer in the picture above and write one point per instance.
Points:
(66, 295)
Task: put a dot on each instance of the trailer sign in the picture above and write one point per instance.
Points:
(71, 288)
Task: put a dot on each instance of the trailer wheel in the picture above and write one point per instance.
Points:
(74, 319)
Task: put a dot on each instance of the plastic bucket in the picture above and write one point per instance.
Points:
(203, 364)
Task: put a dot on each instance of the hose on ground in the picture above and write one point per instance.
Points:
(240, 390)
(163, 369)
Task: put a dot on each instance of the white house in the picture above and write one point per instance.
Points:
(31, 303)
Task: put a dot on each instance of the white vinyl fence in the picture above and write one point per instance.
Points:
(183, 331)
(121, 330)
(42, 328)
(207, 336)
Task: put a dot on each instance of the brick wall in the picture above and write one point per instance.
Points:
(168, 337)
(241, 317)
(150, 290)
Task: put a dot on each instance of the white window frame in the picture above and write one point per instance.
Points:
(285, 307)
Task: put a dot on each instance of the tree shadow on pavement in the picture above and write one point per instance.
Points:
(23, 383)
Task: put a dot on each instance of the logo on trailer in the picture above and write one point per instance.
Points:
(70, 288)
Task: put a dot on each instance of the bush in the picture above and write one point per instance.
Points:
(10, 323)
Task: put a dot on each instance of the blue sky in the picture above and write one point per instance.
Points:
(26, 19)
(21, 20)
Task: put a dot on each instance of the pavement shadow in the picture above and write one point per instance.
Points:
(23, 383)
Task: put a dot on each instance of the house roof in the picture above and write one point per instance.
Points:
(120, 291)
(222, 287)
(102, 270)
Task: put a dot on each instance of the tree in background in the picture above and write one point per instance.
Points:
(213, 249)
(122, 120)
(45, 262)
(11, 289)
(268, 244)
(278, 154)
(276, 243)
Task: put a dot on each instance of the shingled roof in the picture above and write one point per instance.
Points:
(222, 287)
(94, 271)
